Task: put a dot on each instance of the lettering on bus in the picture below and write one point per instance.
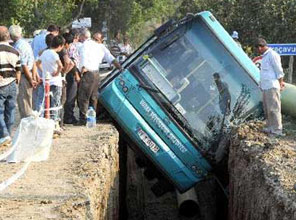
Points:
(159, 123)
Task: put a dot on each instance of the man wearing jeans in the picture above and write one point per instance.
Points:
(271, 82)
(9, 76)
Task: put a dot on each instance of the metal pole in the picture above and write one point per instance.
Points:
(47, 95)
(290, 72)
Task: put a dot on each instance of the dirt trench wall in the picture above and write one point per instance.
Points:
(80, 180)
(262, 175)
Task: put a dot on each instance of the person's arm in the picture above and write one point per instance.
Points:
(29, 75)
(277, 66)
(282, 83)
(111, 59)
(69, 64)
(35, 74)
(83, 60)
(39, 65)
(77, 77)
(18, 76)
(59, 69)
(18, 71)
(117, 65)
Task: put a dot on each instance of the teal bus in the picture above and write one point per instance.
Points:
(178, 95)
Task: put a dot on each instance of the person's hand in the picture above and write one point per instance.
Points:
(56, 73)
(39, 81)
(77, 78)
(282, 85)
(1, 77)
(33, 83)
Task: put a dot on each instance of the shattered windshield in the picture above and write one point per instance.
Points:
(206, 85)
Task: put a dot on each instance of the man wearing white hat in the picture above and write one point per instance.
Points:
(235, 38)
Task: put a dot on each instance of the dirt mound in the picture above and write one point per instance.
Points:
(78, 181)
(262, 173)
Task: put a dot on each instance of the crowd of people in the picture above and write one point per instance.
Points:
(70, 61)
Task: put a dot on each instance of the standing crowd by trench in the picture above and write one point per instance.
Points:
(70, 62)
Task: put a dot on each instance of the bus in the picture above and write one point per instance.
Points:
(180, 93)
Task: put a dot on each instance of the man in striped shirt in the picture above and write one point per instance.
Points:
(9, 77)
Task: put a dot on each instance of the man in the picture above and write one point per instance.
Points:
(235, 38)
(271, 82)
(39, 45)
(224, 95)
(92, 55)
(27, 82)
(9, 76)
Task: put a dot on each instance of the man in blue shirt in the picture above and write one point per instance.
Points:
(271, 83)
(28, 70)
(39, 44)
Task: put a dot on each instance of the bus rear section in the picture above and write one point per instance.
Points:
(179, 95)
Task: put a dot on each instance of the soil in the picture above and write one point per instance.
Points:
(262, 173)
(78, 181)
(81, 179)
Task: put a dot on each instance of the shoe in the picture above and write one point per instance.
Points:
(266, 130)
(5, 141)
(277, 134)
(71, 121)
(63, 128)
(80, 123)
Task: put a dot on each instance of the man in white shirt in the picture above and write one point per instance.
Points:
(271, 83)
(91, 56)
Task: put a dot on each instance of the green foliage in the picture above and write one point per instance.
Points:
(36, 14)
(148, 15)
(272, 19)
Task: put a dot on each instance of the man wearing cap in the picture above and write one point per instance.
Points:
(235, 38)
(271, 82)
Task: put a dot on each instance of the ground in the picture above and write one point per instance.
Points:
(262, 173)
(78, 181)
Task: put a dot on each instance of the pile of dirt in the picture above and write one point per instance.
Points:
(78, 181)
(262, 173)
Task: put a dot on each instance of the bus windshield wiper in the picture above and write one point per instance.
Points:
(148, 88)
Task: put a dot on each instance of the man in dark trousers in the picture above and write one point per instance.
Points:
(92, 55)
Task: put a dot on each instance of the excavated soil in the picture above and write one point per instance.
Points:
(263, 173)
(80, 180)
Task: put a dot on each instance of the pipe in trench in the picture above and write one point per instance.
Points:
(187, 203)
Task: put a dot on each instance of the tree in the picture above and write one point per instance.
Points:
(36, 14)
(272, 19)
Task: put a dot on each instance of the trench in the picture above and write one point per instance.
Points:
(259, 178)
(137, 200)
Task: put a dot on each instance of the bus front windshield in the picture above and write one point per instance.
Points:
(197, 76)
